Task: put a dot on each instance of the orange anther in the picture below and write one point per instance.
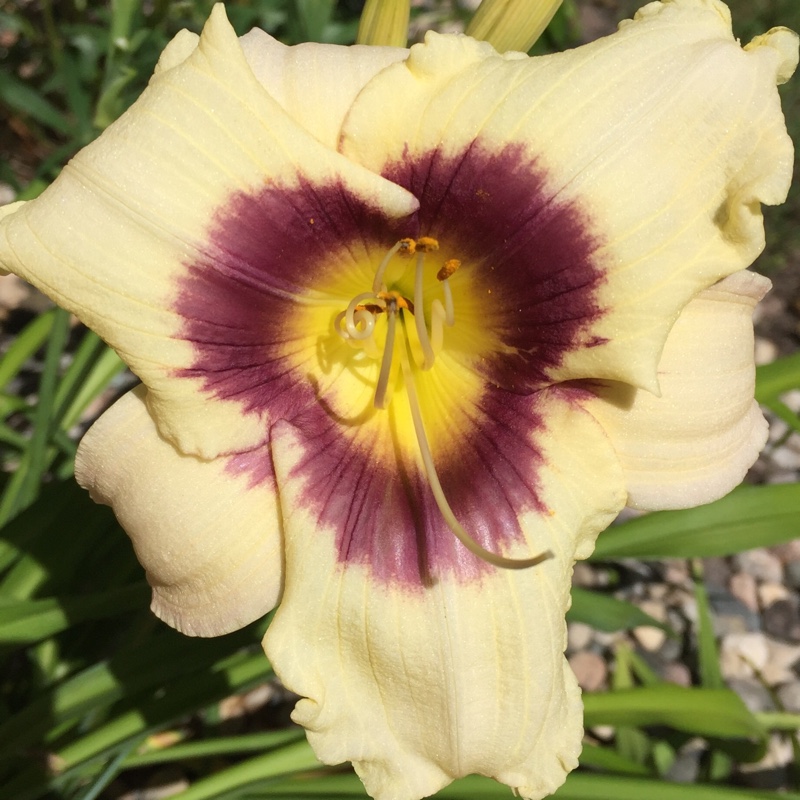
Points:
(407, 247)
(448, 268)
(427, 244)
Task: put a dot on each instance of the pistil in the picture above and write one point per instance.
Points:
(356, 325)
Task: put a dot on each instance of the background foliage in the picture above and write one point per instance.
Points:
(99, 698)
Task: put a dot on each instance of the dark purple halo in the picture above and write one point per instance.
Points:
(493, 211)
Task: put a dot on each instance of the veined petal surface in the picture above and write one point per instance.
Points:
(462, 671)
(663, 138)
(207, 535)
(119, 233)
(696, 441)
(315, 83)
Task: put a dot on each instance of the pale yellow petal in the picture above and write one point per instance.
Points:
(207, 534)
(315, 83)
(114, 238)
(695, 442)
(420, 684)
(658, 144)
(180, 47)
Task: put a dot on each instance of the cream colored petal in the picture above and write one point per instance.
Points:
(658, 143)
(695, 443)
(120, 229)
(207, 534)
(420, 684)
(315, 83)
(181, 46)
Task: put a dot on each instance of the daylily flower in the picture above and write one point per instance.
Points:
(406, 323)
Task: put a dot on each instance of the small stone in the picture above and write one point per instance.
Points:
(766, 351)
(743, 587)
(753, 694)
(761, 564)
(772, 771)
(731, 615)
(604, 733)
(584, 575)
(743, 654)
(7, 194)
(651, 639)
(679, 673)
(777, 429)
(792, 400)
(782, 664)
(782, 476)
(789, 697)
(257, 698)
(676, 572)
(13, 291)
(716, 571)
(608, 639)
(782, 620)
(671, 650)
(579, 636)
(686, 766)
(676, 620)
(769, 593)
(688, 607)
(590, 670)
(791, 571)
(657, 592)
(785, 458)
(788, 552)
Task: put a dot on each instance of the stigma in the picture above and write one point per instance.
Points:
(358, 324)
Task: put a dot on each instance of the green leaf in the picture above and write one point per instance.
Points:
(606, 613)
(750, 516)
(31, 620)
(708, 657)
(24, 345)
(24, 486)
(143, 667)
(578, 786)
(294, 757)
(776, 378)
(610, 787)
(707, 712)
(141, 717)
(26, 100)
(215, 747)
(607, 759)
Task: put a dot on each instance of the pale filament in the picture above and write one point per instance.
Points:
(356, 325)
(382, 396)
(436, 487)
(419, 317)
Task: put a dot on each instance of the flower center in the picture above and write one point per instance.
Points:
(357, 326)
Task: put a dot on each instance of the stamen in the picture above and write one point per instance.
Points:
(449, 309)
(353, 315)
(449, 267)
(419, 318)
(381, 399)
(438, 318)
(406, 247)
(436, 486)
(427, 244)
